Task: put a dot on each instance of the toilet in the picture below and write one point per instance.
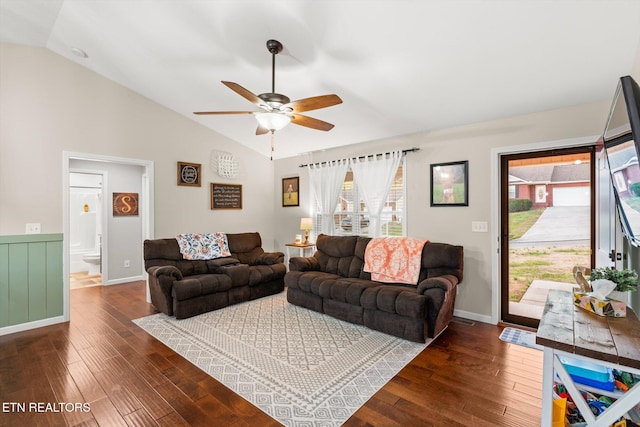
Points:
(93, 260)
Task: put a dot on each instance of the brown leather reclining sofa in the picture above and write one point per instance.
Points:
(185, 288)
(333, 282)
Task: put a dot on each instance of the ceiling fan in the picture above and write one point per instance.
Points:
(277, 109)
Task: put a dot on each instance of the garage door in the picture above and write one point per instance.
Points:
(571, 196)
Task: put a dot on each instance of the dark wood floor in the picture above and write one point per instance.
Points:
(467, 377)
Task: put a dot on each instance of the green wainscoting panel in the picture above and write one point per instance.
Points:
(4, 285)
(55, 282)
(31, 282)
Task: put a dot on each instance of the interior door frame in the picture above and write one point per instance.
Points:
(496, 153)
(146, 211)
(506, 316)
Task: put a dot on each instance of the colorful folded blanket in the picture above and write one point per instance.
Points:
(203, 246)
(394, 259)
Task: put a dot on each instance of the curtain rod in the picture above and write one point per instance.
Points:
(409, 150)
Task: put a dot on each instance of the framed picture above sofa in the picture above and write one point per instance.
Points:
(189, 174)
(291, 191)
(450, 184)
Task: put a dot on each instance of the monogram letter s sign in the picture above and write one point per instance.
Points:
(125, 204)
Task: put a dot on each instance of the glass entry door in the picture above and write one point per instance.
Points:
(547, 225)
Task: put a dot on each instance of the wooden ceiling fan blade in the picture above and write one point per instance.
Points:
(310, 122)
(313, 103)
(245, 93)
(202, 113)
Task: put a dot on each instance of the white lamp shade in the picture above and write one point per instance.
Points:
(306, 224)
(273, 121)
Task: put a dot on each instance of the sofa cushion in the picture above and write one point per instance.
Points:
(347, 290)
(265, 273)
(401, 300)
(439, 259)
(204, 284)
(246, 247)
(336, 255)
(308, 281)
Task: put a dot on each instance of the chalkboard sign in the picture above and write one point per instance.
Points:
(226, 196)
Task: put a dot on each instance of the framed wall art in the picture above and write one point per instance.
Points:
(125, 204)
(291, 191)
(450, 184)
(189, 174)
(226, 196)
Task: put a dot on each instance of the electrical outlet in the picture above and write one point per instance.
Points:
(127, 263)
(32, 228)
(479, 226)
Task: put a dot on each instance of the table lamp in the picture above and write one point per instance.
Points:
(306, 224)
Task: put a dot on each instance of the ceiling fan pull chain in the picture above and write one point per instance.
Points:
(271, 145)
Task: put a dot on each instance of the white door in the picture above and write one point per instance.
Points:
(607, 223)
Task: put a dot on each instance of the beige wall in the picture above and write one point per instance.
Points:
(453, 224)
(49, 105)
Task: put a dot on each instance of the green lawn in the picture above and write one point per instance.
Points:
(543, 263)
(520, 222)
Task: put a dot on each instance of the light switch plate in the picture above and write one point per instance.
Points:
(32, 228)
(479, 226)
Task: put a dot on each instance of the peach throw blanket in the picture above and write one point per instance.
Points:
(394, 259)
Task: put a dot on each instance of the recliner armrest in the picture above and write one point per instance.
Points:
(165, 270)
(215, 265)
(270, 258)
(304, 264)
(446, 283)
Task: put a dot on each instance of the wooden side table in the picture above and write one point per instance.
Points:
(568, 331)
(303, 248)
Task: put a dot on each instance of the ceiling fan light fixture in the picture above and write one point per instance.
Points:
(273, 121)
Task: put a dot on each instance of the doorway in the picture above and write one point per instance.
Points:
(121, 240)
(86, 227)
(547, 227)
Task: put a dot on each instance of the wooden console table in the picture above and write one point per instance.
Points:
(568, 331)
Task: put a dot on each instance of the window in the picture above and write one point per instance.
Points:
(352, 218)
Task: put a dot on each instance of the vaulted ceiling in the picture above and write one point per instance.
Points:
(400, 66)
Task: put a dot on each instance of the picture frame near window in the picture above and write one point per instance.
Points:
(189, 174)
(450, 184)
(290, 191)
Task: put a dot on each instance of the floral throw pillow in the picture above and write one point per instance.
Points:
(203, 246)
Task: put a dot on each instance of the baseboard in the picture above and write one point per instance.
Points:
(473, 316)
(125, 280)
(31, 325)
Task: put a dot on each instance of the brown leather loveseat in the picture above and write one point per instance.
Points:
(333, 282)
(185, 288)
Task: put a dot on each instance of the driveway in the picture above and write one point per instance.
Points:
(561, 225)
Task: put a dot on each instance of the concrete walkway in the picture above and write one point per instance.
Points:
(532, 303)
(558, 224)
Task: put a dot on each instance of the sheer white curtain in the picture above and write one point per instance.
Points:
(326, 182)
(374, 176)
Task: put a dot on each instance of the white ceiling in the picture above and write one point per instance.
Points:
(400, 66)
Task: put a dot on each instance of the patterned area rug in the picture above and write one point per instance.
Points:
(301, 367)
(520, 337)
